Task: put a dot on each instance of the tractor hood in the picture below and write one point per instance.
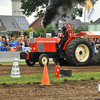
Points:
(45, 40)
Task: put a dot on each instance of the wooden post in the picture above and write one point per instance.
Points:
(85, 15)
(44, 32)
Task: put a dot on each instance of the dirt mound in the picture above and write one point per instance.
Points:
(72, 90)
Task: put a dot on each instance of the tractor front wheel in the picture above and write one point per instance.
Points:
(43, 59)
(78, 52)
(30, 63)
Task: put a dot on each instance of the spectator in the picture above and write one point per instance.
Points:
(2, 47)
(12, 42)
(23, 42)
(25, 37)
(91, 39)
(0, 41)
(9, 38)
(19, 38)
(3, 40)
(17, 45)
(20, 41)
(39, 37)
(48, 36)
(97, 42)
(27, 43)
(85, 37)
(7, 45)
(93, 44)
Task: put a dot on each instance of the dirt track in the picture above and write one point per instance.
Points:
(36, 69)
(83, 90)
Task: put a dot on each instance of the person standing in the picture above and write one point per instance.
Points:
(7, 45)
(3, 40)
(48, 36)
(17, 44)
(0, 41)
(27, 43)
(93, 44)
(23, 42)
(97, 44)
(2, 47)
(12, 42)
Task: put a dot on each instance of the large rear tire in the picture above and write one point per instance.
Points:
(30, 63)
(43, 59)
(78, 52)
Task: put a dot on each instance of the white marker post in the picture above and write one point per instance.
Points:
(15, 72)
(99, 86)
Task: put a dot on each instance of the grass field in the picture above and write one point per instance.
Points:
(20, 63)
(11, 63)
(38, 78)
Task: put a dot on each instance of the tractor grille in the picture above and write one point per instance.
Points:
(32, 40)
(40, 47)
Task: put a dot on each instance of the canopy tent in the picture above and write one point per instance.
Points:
(88, 34)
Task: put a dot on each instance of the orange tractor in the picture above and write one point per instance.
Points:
(65, 50)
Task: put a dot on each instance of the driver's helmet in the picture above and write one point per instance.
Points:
(63, 28)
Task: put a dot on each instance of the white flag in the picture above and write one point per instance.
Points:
(89, 9)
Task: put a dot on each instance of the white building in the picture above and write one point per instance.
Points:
(16, 8)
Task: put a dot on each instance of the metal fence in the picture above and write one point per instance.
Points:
(15, 49)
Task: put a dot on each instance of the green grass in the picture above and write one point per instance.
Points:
(10, 63)
(38, 78)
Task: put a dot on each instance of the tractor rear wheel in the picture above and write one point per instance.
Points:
(78, 52)
(30, 63)
(43, 59)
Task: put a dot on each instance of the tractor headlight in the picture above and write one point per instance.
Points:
(34, 48)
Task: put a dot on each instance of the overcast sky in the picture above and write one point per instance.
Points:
(6, 9)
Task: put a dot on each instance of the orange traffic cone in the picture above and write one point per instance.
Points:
(45, 78)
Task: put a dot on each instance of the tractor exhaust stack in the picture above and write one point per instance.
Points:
(44, 32)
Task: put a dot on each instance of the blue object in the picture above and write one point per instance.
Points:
(17, 43)
(12, 43)
(0, 43)
(99, 40)
(2, 48)
(26, 49)
(93, 49)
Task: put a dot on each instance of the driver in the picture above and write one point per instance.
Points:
(64, 36)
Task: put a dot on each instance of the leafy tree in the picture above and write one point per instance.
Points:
(31, 6)
(26, 33)
(39, 31)
(39, 6)
(80, 29)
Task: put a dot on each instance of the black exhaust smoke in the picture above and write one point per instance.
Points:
(57, 7)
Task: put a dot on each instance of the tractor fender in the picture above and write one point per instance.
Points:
(69, 39)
